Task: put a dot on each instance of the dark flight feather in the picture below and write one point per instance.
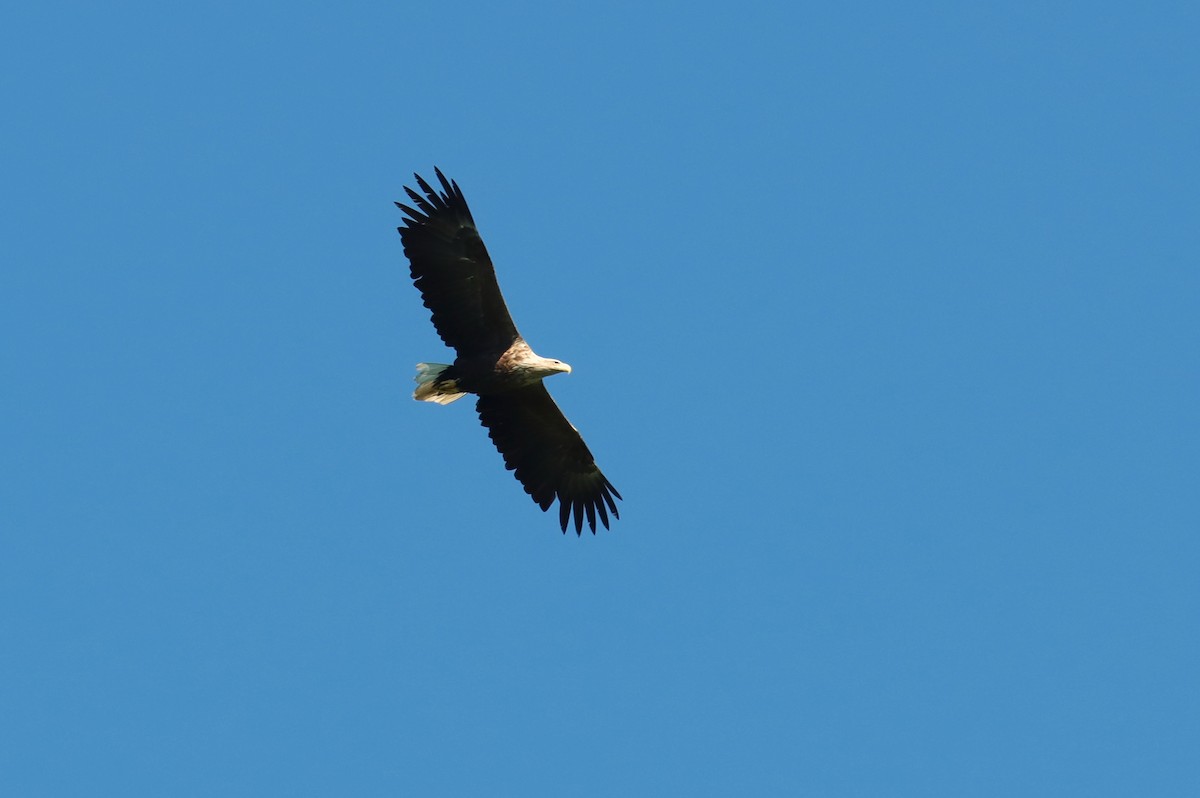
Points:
(547, 455)
(452, 269)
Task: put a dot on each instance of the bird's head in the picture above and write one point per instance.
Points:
(538, 367)
(551, 366)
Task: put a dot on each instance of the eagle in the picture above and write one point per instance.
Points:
(452, 270)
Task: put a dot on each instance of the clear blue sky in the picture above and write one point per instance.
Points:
(885, 320)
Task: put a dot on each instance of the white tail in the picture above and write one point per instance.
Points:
(430, 388)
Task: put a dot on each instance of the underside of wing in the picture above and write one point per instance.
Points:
(548, 456)
(452, 269)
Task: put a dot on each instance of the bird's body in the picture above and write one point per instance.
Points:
(489, 372)
(454, 273)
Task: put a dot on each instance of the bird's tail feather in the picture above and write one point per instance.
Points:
(432, 388)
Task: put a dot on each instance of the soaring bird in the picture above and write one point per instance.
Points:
(452, 270)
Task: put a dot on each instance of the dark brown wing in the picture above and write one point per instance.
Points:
(548, 456)
(451, 267)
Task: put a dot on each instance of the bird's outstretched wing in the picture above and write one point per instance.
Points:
(451, 267)
(548, 456)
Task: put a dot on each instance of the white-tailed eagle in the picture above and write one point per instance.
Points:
(451, 267)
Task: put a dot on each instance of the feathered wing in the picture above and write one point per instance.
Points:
(548, 456)
(451, 267)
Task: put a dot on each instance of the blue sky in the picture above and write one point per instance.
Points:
(883, 319)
